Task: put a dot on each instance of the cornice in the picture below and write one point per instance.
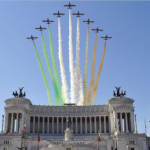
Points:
(123, 107)
(118, 100)
(72, 110)
(15, 107)
(45, 114)
(18, 100)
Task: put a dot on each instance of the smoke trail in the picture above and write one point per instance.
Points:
(57, 97)
(99, 72)
(85, 68)
(43, 74)
(78, 76)
(71, 62)
(62, 69)
(92, 73)
(54, 64)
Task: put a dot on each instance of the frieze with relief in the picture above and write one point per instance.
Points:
(78, 109)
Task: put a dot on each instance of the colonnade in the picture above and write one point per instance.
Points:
(125, 122)
(80, 125)
(13, 122)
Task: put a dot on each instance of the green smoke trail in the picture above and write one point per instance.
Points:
(54, 65)
(43, 74)
(57, 97)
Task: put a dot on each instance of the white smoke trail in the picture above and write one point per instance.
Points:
(62, 69)
(78, 76)
(71, 62)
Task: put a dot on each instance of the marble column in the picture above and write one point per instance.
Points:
(57, 125)
(52, 125)
(126, 122)
(72, 123)
(47, 125)
(81, 125)
(85, 125)
(76, 125)
(95, 124)
(121, 122)
(33, 124)
(62, 128)
(17, 122)
(21, 116)
(109, 125)
(12, 122)
(38, 129)
(43, 124)
(104, 124)
(132, 121)
(100, 130)
(6, 122)
(90, 125)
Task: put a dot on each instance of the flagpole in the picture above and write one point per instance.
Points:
(145, 126)
(38, 137)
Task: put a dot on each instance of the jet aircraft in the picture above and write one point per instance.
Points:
(40, 28)
(97, 30)
(58, 14)
(32, 38)
(106, 37)
(88, 21)
(78, 14)
(48, 21)
(69, 6)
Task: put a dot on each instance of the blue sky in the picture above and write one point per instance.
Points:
(126, 62)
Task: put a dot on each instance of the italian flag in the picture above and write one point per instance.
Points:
(115, 127)
(25, 127)
(99, 138)
(38, 137)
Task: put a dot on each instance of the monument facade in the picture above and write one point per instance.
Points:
(71, 127)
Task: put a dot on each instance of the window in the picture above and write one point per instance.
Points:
(6, 142)
(131, 142)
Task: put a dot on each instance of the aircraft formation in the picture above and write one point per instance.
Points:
(78, 14)
(61, 90)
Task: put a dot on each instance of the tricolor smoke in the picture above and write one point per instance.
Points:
(92, 73)
(43, 74)
(85, 68)
(71, 62)
(57, 97)
(78, 75)
(99, 72)
(62, 69)
(54, 65)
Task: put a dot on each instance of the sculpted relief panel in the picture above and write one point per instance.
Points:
(72, 109)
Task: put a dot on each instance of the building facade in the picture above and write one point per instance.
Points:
(115, 121)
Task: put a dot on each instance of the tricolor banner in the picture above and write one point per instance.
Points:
(25, 127)
(99, 138)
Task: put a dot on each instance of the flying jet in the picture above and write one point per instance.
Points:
(69, 6)
(58, 14)
(106, 37)
(32, 38)
(97, 30)
(78, 14)
(40, 28)
(88, 21)
(48, 21)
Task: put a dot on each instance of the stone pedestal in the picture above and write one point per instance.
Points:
(68, 134)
